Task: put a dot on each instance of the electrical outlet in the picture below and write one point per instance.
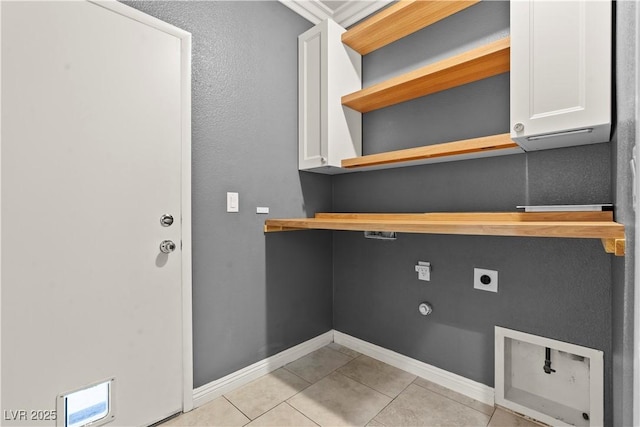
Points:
(485, 280)
(424, 270)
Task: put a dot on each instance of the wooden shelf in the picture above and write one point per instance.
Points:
(456, 148)
(477, 64)
(595, 225)
(398, 21)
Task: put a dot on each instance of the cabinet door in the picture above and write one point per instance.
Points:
(312, 151)
(327, 70)
(560, 73)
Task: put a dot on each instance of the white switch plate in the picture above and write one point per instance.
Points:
(492, 286)
(232, 202)
(262, 210)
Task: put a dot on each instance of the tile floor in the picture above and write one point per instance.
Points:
(336, 386)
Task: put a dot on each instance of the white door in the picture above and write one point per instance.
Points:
(92, 129)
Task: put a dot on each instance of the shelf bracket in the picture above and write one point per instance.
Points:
(614, 246)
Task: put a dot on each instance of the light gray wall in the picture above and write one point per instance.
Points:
(558, 288)
(253, 296)
(623, 268)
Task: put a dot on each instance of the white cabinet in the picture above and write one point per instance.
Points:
(560, 73)
(327, 70)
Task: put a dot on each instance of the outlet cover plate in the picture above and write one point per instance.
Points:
(477, 283)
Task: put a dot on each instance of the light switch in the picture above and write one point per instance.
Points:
(232, 202)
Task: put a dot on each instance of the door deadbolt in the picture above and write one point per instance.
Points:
(167, 246)
(166, 220)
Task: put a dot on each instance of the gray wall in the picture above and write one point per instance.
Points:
(253, 295)
(623, 268)
(558, 288)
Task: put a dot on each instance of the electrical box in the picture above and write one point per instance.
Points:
(551, 381)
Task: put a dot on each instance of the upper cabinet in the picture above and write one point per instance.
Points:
(327, 69)
(558, 54)
(560, 73)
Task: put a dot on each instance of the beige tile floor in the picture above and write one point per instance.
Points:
(336, 386)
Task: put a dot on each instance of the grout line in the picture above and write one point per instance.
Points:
(335, 370)
(303, 379)
(366, 385)
(384, 394)
(337, 351)
(371, 387)
(344, 352)
(385, 407)
(519, 415)
(392, 400)
(490, 418)
(284, 401)
(240, 410)
(302, 413)
(457, 401)
(404, 389)
(377, 391)
(468, 387)
(324, 376)
(377, 421)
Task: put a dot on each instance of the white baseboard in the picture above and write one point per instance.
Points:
(217, 388)
(462, 385)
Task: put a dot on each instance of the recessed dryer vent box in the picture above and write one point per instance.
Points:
(555, 382)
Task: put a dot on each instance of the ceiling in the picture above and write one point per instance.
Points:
(344, 12)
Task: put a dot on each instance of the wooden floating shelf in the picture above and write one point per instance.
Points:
(467, 146)
(614, 246)
(477, 64)
(595, 225)
(398, 21)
